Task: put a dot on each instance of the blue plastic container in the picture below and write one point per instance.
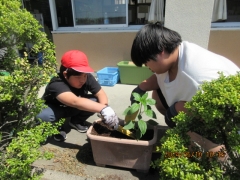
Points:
(108, 76)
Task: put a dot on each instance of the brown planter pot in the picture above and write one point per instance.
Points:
(125, 153)
(208, 146)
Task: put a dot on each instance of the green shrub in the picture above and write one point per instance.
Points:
(24, 150)
(214, 112)
(20, 82)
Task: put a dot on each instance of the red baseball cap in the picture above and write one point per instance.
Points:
(76, 60)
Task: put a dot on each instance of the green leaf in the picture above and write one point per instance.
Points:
(142, 126)
(148, 107)
(133, 108)
(151, 101)
(129, 125)
(138, 134)
(144, 97)
(152, 122)
(150, 113)
(136, 96)
(126, 111)
(145, 107)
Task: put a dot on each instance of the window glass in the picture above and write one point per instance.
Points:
(64, 13)
(233, 11)
(138, 11)
(99, 12)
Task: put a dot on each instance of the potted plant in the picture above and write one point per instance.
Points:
(213, 151)
(123, 151)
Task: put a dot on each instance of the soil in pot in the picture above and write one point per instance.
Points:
(102, 129)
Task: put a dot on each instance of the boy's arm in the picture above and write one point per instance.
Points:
(102, 97)
(149, 84)
(70, 99)
(179, 106)
(108, 114)
(94, 87)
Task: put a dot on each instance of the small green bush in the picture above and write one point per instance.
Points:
(214, 112)
(24, 150)
(20, 82)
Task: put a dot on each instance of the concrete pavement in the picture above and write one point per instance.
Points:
(78, 149)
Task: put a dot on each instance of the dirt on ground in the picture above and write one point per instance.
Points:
(72, 161)
(69, 160)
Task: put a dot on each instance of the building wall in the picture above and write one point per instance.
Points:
(107, 49)
(226, 43)
(102, 49)
(193, 23)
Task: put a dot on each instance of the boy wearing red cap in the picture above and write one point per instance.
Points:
(67, 95)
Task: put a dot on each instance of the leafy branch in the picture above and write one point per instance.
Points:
(136, 111)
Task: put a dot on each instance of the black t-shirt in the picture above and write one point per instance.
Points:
(59, 85)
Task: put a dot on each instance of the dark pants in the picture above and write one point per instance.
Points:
(53, 113)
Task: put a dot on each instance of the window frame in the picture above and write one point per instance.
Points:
(225, 25)
(115, 27)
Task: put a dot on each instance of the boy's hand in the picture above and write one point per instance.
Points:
(136, 90)
(109, 116)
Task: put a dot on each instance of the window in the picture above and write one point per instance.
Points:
(104, 14)
(101, 13)
(226, 13)
(91, 13)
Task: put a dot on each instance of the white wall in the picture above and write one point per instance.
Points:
(190, 18)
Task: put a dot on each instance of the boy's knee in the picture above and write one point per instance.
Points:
(46, 117)
(94, 99)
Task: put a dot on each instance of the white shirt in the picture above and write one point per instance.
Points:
(195, 65)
